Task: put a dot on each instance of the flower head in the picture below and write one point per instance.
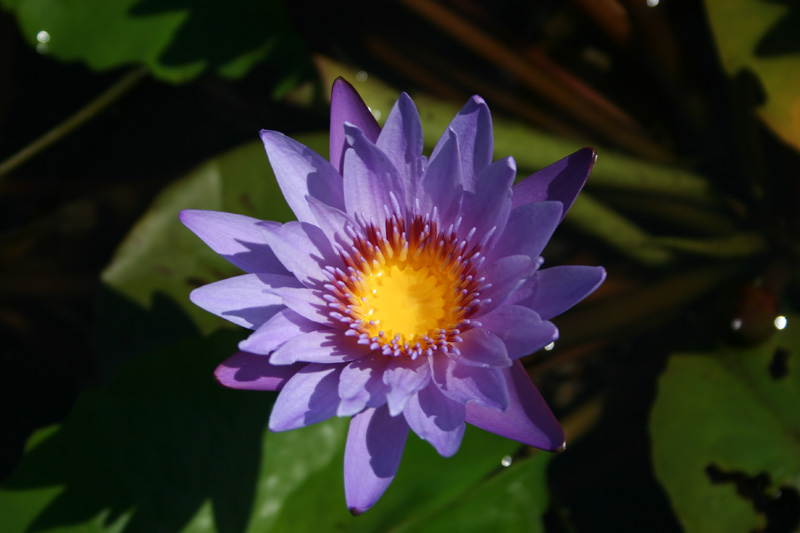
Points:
(406, 291)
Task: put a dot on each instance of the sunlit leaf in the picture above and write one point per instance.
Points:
(761, 36)
(725, 416)
(175, 39)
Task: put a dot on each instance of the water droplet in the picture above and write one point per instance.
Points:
(42, 48)
(550, 346)
(362, 75)
(506, 461)
(653, 3)
(780, 322)
(376, 113)
(43, 36)
(736, 324)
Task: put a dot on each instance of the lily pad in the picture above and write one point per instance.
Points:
(176, 39)
(761, 36)
(724, 416)
(144, 304)
(163, 448)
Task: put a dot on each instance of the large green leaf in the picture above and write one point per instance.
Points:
(761, 35)
(175, 39)
(147, 283)
(727, 414)
(162, 448)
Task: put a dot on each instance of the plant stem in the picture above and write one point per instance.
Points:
(89, 111)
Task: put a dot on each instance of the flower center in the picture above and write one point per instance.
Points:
(409, 290)
(406, 301)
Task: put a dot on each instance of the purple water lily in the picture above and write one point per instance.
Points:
(406, 291)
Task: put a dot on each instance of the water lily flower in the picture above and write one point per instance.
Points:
(407, 290)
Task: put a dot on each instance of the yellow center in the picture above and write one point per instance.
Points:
(406, 288)
(406, 301)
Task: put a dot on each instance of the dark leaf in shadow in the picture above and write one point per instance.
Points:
(152, 447)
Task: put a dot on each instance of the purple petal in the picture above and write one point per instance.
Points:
(561, 181)
(331, 220)
(464, 384)
(237, 238)
(490, 205)
(480, 347)
(305, 302)
(375, 444)
(302, 172)
(283, 326)
(249, 371)
(505, 275)
(401, 141)
(404, 377)
(552, 291)
(304, 250)
(527, 419)
(321, 346)
(528, 230)
(441, 186)
(244, 300)
(473, 126)
(436, 419)
(369, 178)
(521, 329)
(361, 385)
(310, 396)
(347, 106)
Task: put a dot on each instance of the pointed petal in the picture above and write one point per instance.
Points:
(401, 141)
(308, 397)
(249, 371)
(304, 250)
(321, 346)
(490, 205)
(528, 230)
(473, 126)
(361, 385)
(561, 181)
(370, 178)
(347, 106)
(305, 302)
(372, 455)
(404, 378)
(552, 291)
(284, 325)
(244, 300)
(302, 172)
(480, 347)
(506, 275)
(441, 186)
(237, 238)
(464, 384)
(521, 329)
(527, 419)
(436, 419)
(330, 220)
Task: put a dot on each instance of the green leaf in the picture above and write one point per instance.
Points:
(162, 448)
(761, 36)
(725, 410)
(147, 283)
(176, 39)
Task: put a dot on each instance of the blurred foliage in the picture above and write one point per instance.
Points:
(726, 432)
(176, 39)
(761, 36)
